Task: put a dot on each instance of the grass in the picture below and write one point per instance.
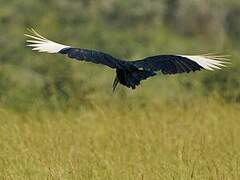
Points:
(198, 139)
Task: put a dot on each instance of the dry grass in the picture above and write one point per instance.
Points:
(179, 140)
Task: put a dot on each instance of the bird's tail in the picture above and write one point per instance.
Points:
(131, 77)
(134, 78)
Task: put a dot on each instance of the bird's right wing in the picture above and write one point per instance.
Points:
(173, 64)
(41, 44)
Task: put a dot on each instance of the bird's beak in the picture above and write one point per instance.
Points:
(115, 83)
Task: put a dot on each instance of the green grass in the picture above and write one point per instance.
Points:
(59, 119)
(198, 139)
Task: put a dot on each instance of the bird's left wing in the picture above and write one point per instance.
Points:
(42, 44)
(173, 64)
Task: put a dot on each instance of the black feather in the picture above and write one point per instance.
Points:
(128, 73)
(168, 64)
(96, 57)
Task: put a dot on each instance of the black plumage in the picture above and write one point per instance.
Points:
(130, 73)
(168, 64)
(127, 73)
(95, 56)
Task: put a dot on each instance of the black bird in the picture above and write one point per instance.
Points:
(131, 73)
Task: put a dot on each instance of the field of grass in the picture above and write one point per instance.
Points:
(60, 120)
(196, 139)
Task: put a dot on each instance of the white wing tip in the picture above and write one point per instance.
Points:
(210, 62)
(42, 44)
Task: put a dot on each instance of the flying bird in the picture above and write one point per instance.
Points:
(130, 73)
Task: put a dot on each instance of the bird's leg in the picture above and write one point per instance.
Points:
(115, 83)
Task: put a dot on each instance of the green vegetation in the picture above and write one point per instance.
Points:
(127, 29)
(177, 140)
(60, 120)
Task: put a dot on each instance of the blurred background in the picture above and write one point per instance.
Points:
(60, 120)
(128, 29)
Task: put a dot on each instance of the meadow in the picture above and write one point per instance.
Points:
(59, 118)
(198, 139)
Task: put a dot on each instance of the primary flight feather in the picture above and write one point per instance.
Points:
(130, 73)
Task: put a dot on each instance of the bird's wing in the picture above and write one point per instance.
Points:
(41, 44)
(172, 64)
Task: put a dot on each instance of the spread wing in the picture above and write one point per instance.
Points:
(172, 64)
(41, 44)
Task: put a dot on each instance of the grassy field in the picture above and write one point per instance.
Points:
(196, 139)
(60, 120)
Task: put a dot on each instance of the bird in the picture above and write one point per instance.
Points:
(130, 73)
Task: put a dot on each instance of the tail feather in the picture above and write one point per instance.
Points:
(134, 78)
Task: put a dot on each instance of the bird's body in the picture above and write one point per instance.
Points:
(130, 73)
(127, 73)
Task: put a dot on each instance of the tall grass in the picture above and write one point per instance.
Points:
(59, 120)
(193, 139)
